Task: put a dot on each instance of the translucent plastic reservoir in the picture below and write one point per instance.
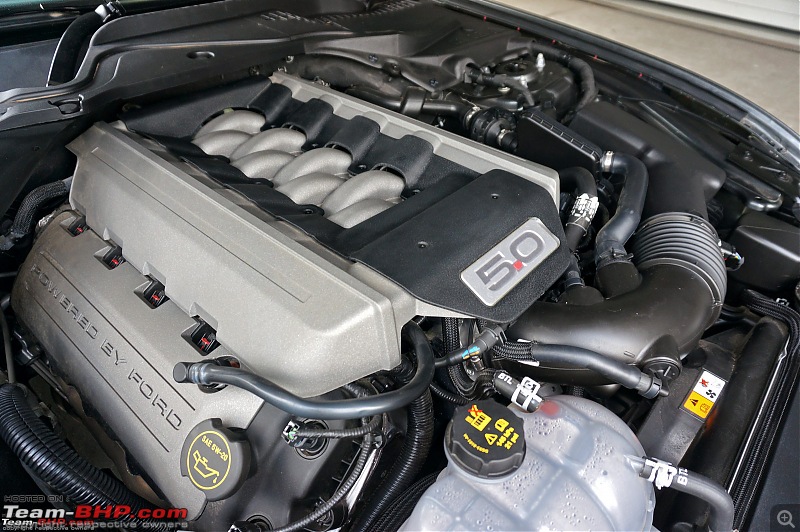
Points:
(576, 476)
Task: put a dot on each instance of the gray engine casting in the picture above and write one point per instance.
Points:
(283, 305)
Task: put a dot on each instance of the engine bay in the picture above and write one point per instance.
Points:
(391, 267)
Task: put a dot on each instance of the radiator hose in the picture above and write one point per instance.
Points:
(52, 461)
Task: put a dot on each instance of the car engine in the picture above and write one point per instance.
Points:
(394, 266)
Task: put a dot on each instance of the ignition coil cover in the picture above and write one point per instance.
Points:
(486, 439)
(216, 459)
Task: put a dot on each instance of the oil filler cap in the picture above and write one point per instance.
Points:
(216, 459)
(486, 439)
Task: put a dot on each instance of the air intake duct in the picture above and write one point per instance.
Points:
(681, 292)
(686, 241)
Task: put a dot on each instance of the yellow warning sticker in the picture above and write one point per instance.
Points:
(698, 405)
(477, 418)
(705, 393)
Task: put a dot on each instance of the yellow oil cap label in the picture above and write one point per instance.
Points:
(705, 393)
(208, 460)
(215, 459)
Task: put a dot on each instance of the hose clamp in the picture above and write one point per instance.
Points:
(661, 472)
(526, 394)
(607, 162)
(470, 115)
(650, 386)
(503, 133)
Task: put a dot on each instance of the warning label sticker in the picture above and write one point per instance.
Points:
(705, 393)
(479, 420)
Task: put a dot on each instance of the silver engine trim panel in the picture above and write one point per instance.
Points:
(118, 352)
(283, 310)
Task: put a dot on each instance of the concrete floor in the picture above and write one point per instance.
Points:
(759, 64)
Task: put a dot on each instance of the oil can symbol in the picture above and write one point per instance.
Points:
(201, 466)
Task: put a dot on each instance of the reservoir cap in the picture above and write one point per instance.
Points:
(216, 459)
(486, 439)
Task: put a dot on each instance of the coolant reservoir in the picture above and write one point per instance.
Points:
(570, 472)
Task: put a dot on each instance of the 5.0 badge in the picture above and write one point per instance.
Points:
(504, 266)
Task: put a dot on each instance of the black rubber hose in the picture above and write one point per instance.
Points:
(52, 461)
(209, 373)
(451, 359)
(413, 102)
(572, 277)
(475, 75)
(30, 206)
(401, 508)
(722, 511)
(746, 485)
(611, 239)
(581, 181)
(345, 73)
(416, 446)
(630, 377)
(574, 234)
(679, 178)
(581, 68)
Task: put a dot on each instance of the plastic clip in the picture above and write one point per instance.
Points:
(661, 473)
